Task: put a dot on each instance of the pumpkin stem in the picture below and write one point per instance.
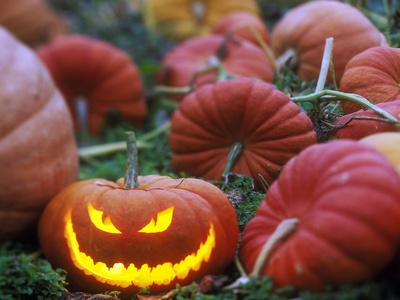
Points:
(284, 229)
(132, 164)
(288, 59)
(234, 152)
(326, 65)
(331, 95)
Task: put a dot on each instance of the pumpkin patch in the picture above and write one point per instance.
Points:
(255, 182)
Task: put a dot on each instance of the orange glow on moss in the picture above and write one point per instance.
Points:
(143, 276)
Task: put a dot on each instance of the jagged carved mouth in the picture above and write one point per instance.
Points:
(141, 276)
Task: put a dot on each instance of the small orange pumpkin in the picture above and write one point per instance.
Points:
(101, 73)
(38, 152)
(373, 74)
(244, 114)
(298, 39)
(31, 21)
(181, 65)
(356, 125)
(244, 25)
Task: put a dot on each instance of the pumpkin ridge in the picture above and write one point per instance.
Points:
(339, 248)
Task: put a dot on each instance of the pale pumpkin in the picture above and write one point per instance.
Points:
(38, 152)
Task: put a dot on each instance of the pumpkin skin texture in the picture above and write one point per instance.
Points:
(388, 143)
(237, 23)
(239, 58)
(304, 29)
(197, 205)
(373, 74)
(31, 21)
(358, 129)
(38, 152)
(183, 19)
(101, 73)
(271, 128)
(339, 192)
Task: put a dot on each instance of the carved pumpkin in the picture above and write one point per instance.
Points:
(101, 73)
(181, 19)
(334, 195)
(238, 113)
(298, 39)
(373, 74)
(237, 58)
(162, 233)
(359, 128)
(31, 21)
(242, 24)
(388, 143)
(38, 152)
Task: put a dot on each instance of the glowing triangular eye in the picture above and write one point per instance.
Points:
(96, 216)
(163, 221)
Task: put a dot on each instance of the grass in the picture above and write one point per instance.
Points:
(25, 274)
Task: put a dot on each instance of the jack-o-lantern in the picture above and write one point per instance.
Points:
(162, 233)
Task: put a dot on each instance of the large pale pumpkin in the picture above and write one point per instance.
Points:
(181, 19)
(104, 75)
(31, 21)
(162, 233)
(241, 113)
(38, 153)
(341, 201)
(298, 39)
(356, 125)
(373, 74)
(183, 64)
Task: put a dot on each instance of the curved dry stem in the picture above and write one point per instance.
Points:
(234, 153)
(282, 231)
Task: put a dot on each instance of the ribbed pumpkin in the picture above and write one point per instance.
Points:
(182, 19)
(237, 58)
(357, 128)
(298, 39)
(373, 74)
(340, 202)
(243, 24)
(31, 21)
(38, 152)
(99, 72)
(162, 233)
(237, 113)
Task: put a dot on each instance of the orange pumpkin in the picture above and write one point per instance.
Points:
(162, 233)
(38, 152)
(321, 221)
(373, 74)
(101, 73)
(244, 25)
(183, 64)
(31, 21)
(298, 39)
(352, 126)
(241, 114)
